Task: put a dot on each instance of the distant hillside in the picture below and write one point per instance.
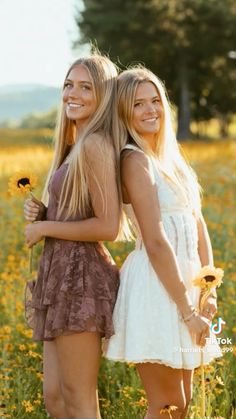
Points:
(17, 101)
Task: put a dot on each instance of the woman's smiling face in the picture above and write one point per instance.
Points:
(147, 112)
(79, 96)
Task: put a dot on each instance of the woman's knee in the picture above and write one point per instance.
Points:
(54, 402)
(81, 405)
(73, 395)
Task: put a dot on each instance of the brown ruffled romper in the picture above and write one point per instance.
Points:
(77, 283)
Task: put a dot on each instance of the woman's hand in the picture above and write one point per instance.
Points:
(199, 328)
(210, 308)
(34, 210)
(33, 233)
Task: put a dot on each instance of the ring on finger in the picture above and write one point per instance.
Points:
(207, 310)
(208, 313)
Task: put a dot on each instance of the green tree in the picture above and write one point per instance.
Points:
(180, 40)
(40, 120)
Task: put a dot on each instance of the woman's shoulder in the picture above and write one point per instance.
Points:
(96, 144)
(94, 139)
(99, 150)
(133, 159)
(131, 146)
(130, 149)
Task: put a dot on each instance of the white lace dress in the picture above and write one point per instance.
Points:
(148, 325)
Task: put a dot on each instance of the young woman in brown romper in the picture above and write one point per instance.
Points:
(74, 295)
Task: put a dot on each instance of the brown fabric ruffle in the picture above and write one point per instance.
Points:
(75, 291)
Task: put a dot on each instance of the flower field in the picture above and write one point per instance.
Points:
(121, 394)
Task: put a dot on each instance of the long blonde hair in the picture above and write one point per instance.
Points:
(167, 152)
(74, 195)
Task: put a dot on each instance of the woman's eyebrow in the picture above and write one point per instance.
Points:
(79, 81)
(141, 98)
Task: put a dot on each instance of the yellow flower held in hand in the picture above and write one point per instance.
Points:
(21, 183)
(209, 277)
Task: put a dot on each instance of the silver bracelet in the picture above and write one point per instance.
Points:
(187, 318)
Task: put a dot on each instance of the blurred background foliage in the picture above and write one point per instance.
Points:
(190, 44)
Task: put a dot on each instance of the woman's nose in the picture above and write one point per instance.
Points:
(74, 92)
(150, 108)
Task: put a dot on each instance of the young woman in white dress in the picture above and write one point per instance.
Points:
(155, 318)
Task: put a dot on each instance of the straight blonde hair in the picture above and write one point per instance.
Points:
(167, 153)
(74, 195)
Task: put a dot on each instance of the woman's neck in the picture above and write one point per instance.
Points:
(150, 141)
(79, 130)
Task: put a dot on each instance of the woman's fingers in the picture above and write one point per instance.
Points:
(31, 210)
(30, 216)
(205, 332)
(35, 200)
(200, 327)
(199, 339)
(203, 337)
(210, 309)
(31, 205)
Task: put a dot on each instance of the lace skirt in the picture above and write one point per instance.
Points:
(75, 290)
(148, 325)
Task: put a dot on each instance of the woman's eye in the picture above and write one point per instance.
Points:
(67, 84)
(137, 104)
(86, 87)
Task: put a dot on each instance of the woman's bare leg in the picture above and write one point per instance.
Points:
(163, 386)
(79, 358)
(53, 397)
(188, 378)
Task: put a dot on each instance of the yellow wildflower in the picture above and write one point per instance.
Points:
(209, 277)
(168, 409)
(219, 380)
(27, 405)
(21, 183)
(8, 347)
(141, 402)
(37, 402)
(22, 347)
(6, 329)
(39, 375)
(33, 354)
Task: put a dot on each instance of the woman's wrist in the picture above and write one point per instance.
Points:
(185, 305)
(43, 227)
(190, 316)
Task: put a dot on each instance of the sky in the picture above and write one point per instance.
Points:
(36, 40)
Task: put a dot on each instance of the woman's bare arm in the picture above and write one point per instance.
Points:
(142, 194)
(204, 243)
(104, 225)
(206, 258)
